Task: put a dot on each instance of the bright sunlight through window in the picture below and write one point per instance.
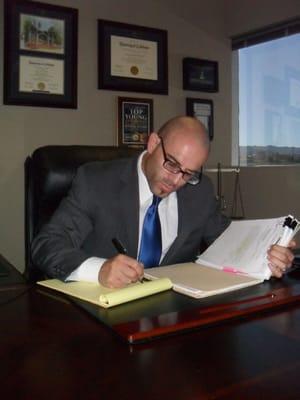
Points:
(269, 102)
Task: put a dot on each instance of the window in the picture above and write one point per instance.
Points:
(267, 97)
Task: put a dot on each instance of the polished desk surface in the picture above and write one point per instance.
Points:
(50, 348)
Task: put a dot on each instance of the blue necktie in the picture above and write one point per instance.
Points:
(150, 249)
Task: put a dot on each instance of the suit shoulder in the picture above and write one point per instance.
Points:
(205, 185)
(108, 167)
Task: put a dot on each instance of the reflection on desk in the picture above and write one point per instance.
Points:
(170, 312)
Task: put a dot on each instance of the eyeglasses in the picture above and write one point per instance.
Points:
(193, 178)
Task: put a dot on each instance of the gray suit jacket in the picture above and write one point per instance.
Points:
(104, 203)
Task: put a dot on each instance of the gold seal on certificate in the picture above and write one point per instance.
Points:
(41, 86)
(134, 70)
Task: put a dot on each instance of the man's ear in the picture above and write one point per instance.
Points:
(153, 142)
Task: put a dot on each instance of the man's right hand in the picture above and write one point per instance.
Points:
(119, 271)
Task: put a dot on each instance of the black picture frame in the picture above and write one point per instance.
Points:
(200, 75)
(135, 121)
(203, 110)
(40, 54)
(132, 58)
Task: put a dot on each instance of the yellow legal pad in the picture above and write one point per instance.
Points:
(105, 297)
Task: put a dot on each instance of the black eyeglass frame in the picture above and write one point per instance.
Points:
(174, 168)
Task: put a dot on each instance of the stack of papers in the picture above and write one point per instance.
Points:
(243, 246)
(237, 259)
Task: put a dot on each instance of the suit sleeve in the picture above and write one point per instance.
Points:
(56, 250)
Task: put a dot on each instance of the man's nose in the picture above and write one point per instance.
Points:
(176, 178)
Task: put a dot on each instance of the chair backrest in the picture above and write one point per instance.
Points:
(49, 172)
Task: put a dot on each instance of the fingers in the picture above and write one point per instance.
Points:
(292, 244)
(281, 254)
(276, 271)
(119, 271)
(280, 259)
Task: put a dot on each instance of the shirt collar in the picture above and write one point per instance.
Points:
(144, 189)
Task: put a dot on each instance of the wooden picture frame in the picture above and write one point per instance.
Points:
(132, 58)
(203, 110)
(135, 121)
(200, 75)
(40, 54)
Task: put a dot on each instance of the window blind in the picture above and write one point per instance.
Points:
(270, 32)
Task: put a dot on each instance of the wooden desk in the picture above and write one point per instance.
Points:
(51, 349)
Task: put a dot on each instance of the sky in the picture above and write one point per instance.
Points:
(269, 93)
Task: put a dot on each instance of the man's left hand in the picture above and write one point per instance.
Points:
(280, 258)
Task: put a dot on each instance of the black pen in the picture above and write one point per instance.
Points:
(122, 250)
(119, 246)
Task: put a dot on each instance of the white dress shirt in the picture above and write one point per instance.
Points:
(168, 214)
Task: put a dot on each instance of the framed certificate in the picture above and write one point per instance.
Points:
(40, 54)
(203, 110)
(135, 121)
(200, 75)
(132, 58)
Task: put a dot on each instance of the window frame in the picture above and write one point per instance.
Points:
(248, 39)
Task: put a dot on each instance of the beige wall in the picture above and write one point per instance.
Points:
(245, 15)
(199, 29)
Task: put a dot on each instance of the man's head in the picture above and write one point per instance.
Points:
(184, 142)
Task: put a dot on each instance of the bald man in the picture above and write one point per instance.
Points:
(111, 199)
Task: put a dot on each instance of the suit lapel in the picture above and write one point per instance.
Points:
(129, 208)
(185, 219)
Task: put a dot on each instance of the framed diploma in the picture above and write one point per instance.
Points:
(132, 58)
(203, 110)
(135, 121)
(200, 75)
(40, 54)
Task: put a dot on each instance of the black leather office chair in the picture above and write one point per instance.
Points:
(49, 172)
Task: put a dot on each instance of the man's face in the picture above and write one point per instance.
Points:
(188, 153)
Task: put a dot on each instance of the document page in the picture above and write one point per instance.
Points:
(243, 247)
